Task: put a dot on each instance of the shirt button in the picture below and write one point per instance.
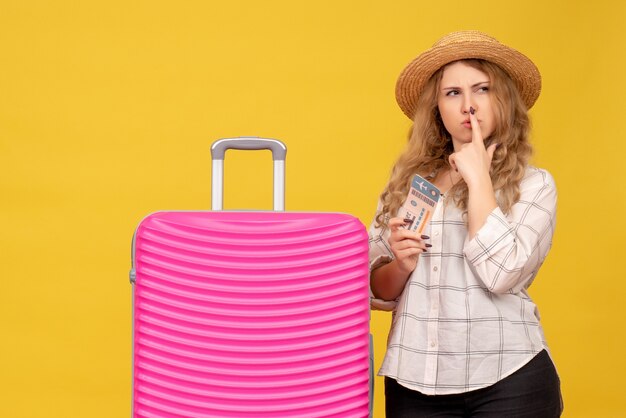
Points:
(435, 268)
(436, 233)
(432, 344)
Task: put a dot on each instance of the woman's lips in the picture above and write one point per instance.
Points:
(468, 124)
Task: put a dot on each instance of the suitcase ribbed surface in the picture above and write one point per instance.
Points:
(251, 314)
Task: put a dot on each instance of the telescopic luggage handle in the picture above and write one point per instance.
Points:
(218, 151)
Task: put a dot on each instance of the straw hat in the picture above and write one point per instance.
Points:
(466, 45)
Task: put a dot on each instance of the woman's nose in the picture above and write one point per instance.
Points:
(467, 105)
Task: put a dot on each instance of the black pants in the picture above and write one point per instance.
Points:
(531, 392)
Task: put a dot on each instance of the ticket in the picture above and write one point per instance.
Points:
(419, 204)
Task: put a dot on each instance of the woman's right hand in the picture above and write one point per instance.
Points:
(406, 245)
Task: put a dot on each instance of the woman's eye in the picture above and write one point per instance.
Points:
(452, 93)
(484, 89)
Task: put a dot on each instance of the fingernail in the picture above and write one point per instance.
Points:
(498, 145)
(425, 237)
(472, 110)
(407, 220)
(429, 245)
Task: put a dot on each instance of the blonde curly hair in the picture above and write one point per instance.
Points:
(430, 145)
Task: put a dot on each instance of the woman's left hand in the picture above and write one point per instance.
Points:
(473, 160)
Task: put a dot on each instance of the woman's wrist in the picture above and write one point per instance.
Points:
(482, 201)
(481, 181)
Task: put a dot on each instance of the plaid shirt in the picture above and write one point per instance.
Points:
(465, 320)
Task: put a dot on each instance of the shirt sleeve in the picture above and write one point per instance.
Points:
(379, 254)
(507, 251)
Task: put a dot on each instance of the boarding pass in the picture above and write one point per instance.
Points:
(419, 204)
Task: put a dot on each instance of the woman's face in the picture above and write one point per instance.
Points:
(462, 87)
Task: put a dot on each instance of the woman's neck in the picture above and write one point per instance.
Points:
(446, 179)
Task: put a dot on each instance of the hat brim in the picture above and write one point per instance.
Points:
(519, 67)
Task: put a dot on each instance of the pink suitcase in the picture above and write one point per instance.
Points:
(250, 313)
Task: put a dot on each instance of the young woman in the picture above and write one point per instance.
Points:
(465, 338)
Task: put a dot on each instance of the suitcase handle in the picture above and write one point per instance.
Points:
(218, 152)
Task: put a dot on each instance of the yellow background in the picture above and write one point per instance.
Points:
(108, 110)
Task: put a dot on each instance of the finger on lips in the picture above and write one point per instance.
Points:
(476, 134)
